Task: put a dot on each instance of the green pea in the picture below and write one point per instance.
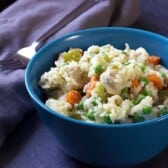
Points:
(136, 118)
(98, 69)
(143, 68)
(94, 103)
(144, 80)
(107, 119)
(80, 106)
(163, 75)
(90, 115)
(162, 112)
(138, 99)
(147, 110)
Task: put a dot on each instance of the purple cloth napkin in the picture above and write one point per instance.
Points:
(24, 22)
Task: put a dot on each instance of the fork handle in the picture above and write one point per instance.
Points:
(85, 5)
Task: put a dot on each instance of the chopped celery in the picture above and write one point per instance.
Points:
(72, 55)
(115, 66)
(106, 57)
(100, 91)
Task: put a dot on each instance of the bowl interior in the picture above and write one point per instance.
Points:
(44, 59)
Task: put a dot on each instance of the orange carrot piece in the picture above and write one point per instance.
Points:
(94, 78)
(155, 60)
(155, 80)
(135, 83)
(91, 85)
(73, 96)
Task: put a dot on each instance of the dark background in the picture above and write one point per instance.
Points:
(5, 3)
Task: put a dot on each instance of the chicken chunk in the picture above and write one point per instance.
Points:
(107, 79)
(65, 78)
(74, 77)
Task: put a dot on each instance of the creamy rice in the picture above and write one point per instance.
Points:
(104, 84)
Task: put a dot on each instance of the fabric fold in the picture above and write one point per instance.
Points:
(24, 21)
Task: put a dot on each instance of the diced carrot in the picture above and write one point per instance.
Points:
(94, 78)
(73, 96)
(155, 80)
(155, 60)
(91, 85)
(135, 83)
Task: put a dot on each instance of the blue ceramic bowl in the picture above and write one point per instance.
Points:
(96, 144)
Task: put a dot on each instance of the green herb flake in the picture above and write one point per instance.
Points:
(72, 55)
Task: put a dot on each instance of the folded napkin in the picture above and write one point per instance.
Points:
(24, 21)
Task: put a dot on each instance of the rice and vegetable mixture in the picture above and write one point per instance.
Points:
(104, 84)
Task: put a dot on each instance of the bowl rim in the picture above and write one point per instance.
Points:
(84, 123)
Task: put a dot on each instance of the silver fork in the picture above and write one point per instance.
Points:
(23, 55)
